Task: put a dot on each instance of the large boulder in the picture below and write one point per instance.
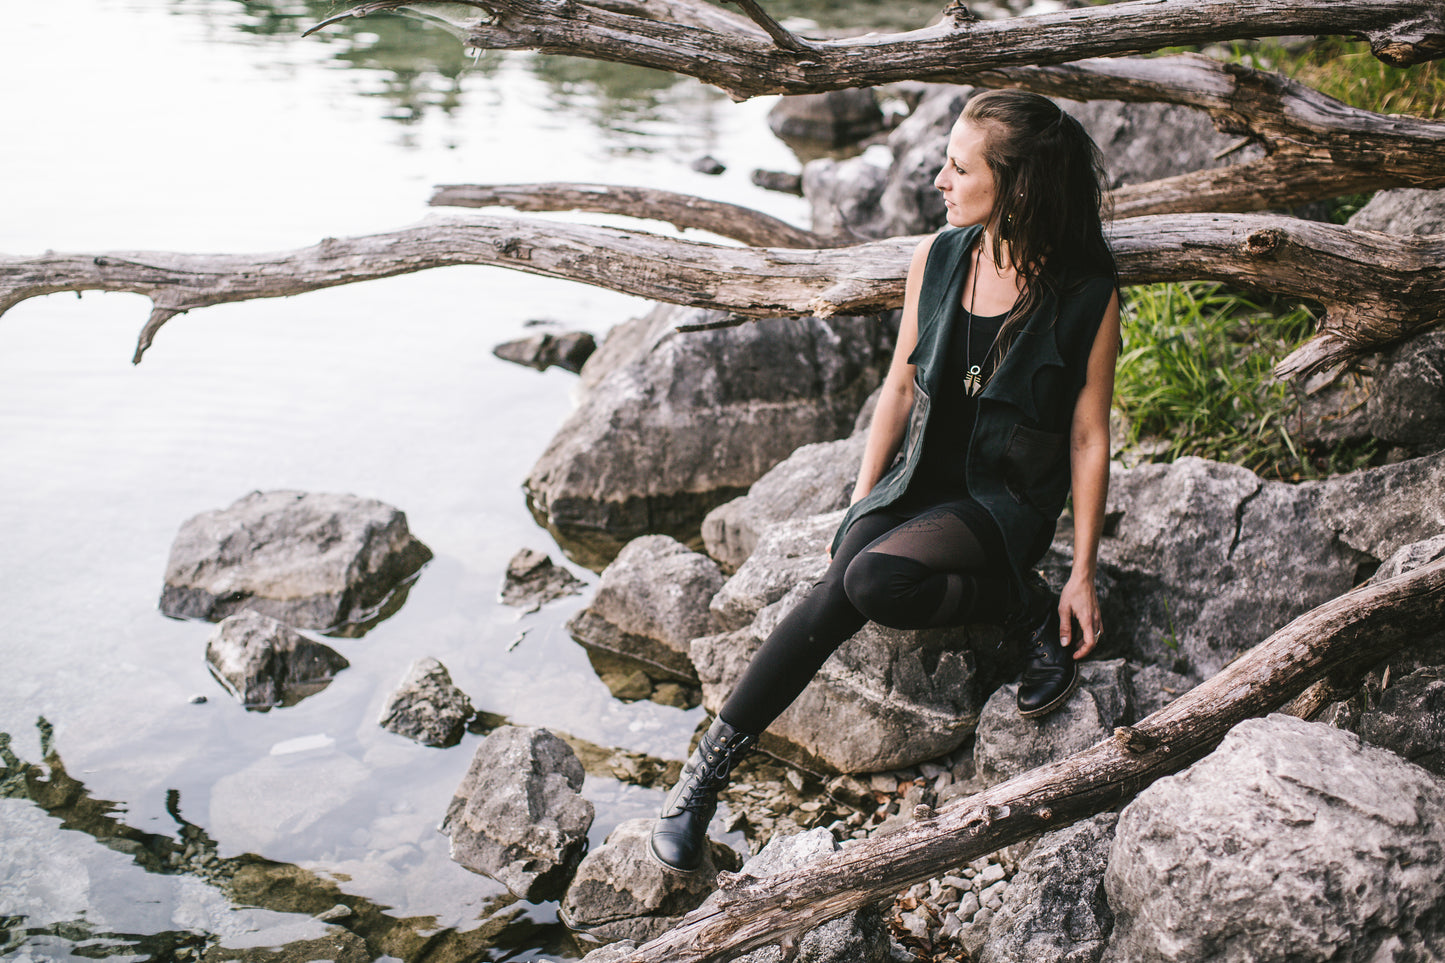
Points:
(834, 118)
(1006, 744)
(651, 602)
(1378, 511)
(687, 420)
(1142, 142)
(1208, 559)
(621, 892)
(267, 663)
(857, 937)
(427, 707)
(1407, 404)
(814, 480)
(1055, 909)
(886, 699)
(1292, 841)
(335, 563)
(910, 204)
(844, 197)
(518, 815)
(1406, 210)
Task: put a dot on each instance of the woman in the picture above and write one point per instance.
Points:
(1000, 384)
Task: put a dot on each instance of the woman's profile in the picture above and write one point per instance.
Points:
(994, 411)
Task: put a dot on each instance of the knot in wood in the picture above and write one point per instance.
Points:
(1263, 241)
(731, 882)
(1132, 740)
(512, 247)
(960, 13)
(1046, 814)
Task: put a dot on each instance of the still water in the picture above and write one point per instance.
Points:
(211, 125)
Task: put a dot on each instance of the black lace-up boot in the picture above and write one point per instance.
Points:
(1051, 672)
(679, 837)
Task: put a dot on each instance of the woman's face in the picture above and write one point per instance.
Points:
(966, 182)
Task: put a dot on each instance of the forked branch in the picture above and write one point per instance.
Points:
(729, 51)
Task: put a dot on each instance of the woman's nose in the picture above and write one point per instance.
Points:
(938, 180)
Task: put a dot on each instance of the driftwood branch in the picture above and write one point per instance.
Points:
(1316, 146)
(1362, 626)
(1376, 288)
(682, 211)
(730, 52)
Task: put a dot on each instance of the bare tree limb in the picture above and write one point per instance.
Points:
(1366, 624)
(682, 211)
(734, 55)
(1377, 288)
(1317, 146)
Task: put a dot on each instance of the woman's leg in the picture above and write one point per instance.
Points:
(803, 640)
(944, 567)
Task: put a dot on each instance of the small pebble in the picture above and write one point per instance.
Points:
(955, 882)
(992, 898)
(992, 874)
(882, 782)
(708, 164)
(982, 917)
(968, 905)
(197, 700)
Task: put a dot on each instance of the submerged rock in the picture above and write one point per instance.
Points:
(267, 663)
(335, 563)
(518, 815)
(568, 350)
(621, 892)
(427, 707)
(651, 603)
(533, 580)
(1292, 841)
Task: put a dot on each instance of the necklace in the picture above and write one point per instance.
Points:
(973, 379)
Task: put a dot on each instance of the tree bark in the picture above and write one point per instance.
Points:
(1376, 288)
(1364, 625)
(734, 54)
(1317, 147)
(682, 211)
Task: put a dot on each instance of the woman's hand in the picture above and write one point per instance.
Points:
(1079, 602)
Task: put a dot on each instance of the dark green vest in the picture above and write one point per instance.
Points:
(1018, 452)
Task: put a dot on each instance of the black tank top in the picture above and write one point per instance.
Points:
(940, 474)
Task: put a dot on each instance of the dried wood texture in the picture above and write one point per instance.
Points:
(1377, 288)
(1360, 627)
(732, 53)
(682, 211)
(1316, 147)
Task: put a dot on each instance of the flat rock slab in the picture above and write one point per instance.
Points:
(427, 707)
(266, 663)
(533, 580)
(338, 564)
(518, 815)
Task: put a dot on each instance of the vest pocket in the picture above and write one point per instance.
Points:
(1031, 467)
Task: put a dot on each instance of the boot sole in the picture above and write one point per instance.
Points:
(652, 853)
(1059, 700)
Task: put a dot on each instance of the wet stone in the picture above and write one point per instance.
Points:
(533, 580)
(427, 707)
(265, 663)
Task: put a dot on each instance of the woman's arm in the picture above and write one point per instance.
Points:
(895, 402)
(1089, 463)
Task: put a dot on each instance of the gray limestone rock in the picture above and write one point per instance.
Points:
(651, 603)
(844, 197)
(619, 952)
(1292, 841)
(1409, 718)
(621, 892)
(1407, 403)
(1055, 909)
(568, 350)
(1007, 744)
(857, 937)
(427, 707)
(688, 420)
(1154, 687)
(826, 120)
(1378, 511)
(1208, 560)
(910, 203)
(1405, 210)
(1145, 141)
(886, 699)
(813, 480)
(518, 815)
(267, 663)
(335, 563)
(533, 580)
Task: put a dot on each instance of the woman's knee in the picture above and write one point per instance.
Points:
(873, 584)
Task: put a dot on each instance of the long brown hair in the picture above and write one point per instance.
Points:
(1049, 191)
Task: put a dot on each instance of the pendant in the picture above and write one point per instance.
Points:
(973, 381)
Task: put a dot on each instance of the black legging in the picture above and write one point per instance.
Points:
(941, 566)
